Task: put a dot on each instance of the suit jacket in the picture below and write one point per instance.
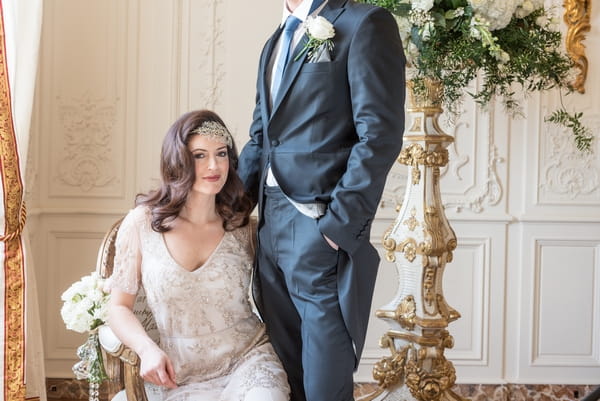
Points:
(332, 135)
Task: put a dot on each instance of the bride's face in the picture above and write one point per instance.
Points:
(211, 164)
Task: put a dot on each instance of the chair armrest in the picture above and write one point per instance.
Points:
(134, 384)
(109, 341)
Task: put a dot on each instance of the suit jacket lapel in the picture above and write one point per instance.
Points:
(330, 12)
(264, 64)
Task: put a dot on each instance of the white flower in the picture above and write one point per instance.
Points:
(554, 24)
(419, 17)
(478, 25)
(524, 9)
(502, 56)
(85, 304)
(427, 31)
(320, 33)
(498, 13)
(404, 26)
(319, 28)
(412, 53)
(459, 12)
(542, 21)
(424, 5)
(101, 313)
(537, 4)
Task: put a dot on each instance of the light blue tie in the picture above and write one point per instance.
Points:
(291, 24)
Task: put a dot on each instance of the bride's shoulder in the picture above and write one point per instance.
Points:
(139, 216)
(246, 235)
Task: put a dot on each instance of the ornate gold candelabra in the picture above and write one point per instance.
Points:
(420, 242)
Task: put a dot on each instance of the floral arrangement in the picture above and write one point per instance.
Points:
(509, 42)
(84, 310)
(320, 33)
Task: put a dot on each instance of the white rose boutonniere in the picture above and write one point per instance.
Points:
(320, 33)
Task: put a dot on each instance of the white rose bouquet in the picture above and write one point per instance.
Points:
(320, 33)
(84, 310)
(509, 42)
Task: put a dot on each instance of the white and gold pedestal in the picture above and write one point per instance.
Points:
(420, 242)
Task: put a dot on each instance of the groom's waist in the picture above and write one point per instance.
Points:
(311, 208)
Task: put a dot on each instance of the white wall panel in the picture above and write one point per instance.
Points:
(70, 247)
(83, 56)
(558, 340)
(570, 268)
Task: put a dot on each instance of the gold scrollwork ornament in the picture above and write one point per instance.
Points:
(577, 17)
(389, 244)
(414, 156)
(429, 384)
(412, 221)
(405, 314)
(389, 371)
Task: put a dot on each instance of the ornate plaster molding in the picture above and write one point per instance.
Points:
(567, 175)
(87, 160)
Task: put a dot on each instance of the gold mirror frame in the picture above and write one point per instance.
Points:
(577, 17)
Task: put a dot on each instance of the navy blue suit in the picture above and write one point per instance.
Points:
(333, 133)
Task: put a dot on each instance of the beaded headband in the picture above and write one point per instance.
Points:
(215, 131)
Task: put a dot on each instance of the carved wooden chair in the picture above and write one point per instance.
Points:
(121, 363)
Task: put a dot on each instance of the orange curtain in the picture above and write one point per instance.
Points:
(13, 275)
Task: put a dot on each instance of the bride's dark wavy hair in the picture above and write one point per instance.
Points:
(178, 176)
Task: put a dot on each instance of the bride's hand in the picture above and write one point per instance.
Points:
(156, 368)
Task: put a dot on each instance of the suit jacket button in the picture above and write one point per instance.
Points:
(274, 143)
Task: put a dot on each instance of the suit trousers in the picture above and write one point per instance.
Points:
(297, 273)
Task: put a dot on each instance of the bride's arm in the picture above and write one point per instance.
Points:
(123, 284)
(155, 366)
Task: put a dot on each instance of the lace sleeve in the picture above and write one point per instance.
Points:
(128, 258)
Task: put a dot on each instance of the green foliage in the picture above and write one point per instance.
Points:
(452, 43)
(387, 4)
(583, 135)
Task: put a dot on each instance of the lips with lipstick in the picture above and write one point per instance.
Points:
(212, 178)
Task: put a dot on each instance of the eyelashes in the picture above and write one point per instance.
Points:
(222, 153)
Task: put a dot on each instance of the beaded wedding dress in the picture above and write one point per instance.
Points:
(205, 322)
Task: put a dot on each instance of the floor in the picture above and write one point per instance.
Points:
(75, 390)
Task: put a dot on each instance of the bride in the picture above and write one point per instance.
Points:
(188, 244)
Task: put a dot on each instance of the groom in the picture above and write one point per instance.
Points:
(325, 132)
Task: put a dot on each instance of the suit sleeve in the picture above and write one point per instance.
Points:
(376, 78)
(249, 161)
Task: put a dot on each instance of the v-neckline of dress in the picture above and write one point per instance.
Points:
(199, 267)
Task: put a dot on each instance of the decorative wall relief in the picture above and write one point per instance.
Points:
(488, 193)
(577, 17)
(395, 186)
(32, 168)
(218, 63)
(202, 64)
(88, 126)
(566, 174)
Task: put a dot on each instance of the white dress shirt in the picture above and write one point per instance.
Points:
(313, 210)
(301, 12)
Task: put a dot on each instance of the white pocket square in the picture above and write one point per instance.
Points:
(321, 55)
